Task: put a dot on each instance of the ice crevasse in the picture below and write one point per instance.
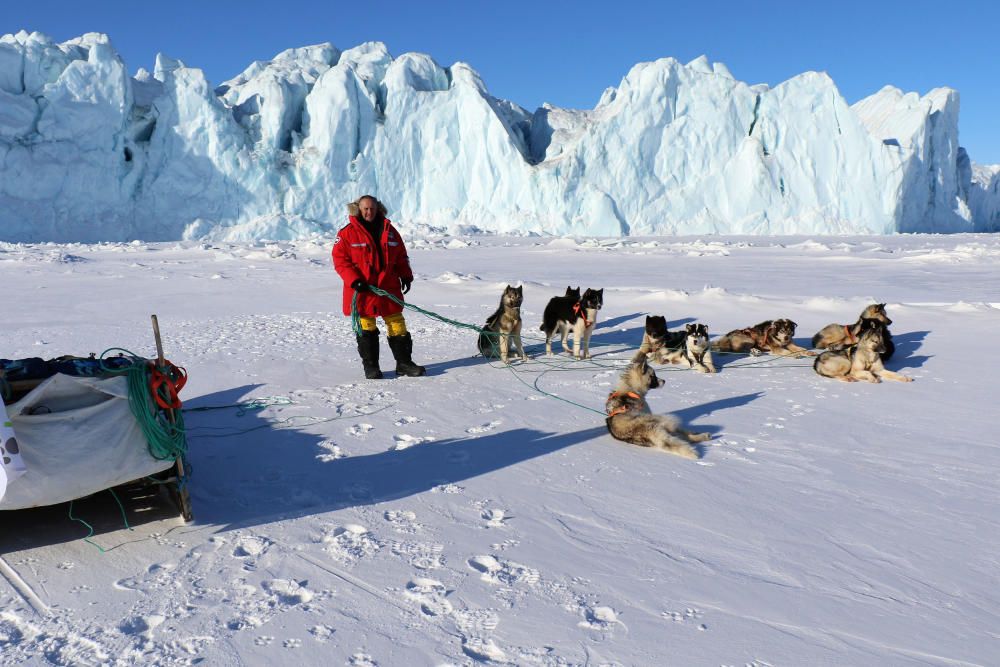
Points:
(89, 152)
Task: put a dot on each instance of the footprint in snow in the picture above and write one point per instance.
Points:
(598, 618)
(430, 595)
(403, 421)
(403, 521)
(250, 546)
(495, 518)
(322, 633)
(448, 488)
(331, 452)
(288, 592)
(493, 570)
(420, 555)
(484, 428)
(405, 441)
(360, 430)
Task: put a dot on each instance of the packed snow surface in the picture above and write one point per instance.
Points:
(89, 152)
(465, 518)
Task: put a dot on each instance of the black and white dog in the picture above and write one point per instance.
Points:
(564, 314)
(695, 352)
(658, 341)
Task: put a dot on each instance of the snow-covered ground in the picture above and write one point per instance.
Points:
(464, 517)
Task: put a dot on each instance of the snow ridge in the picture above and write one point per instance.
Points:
(89, 153)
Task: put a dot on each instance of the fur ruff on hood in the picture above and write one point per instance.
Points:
(354, 208)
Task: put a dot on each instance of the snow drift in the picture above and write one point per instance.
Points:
(89, 153)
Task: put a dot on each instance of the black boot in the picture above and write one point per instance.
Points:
(368, 349)
(402, 349)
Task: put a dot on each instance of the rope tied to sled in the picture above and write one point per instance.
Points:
(152, 398)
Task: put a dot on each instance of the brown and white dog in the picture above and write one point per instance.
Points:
(630, 420)
(861, 361)
(774, 336)
(839, 336)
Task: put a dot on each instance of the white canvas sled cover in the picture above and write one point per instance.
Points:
(76, 436)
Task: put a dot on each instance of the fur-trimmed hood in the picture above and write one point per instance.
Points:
(354, 208)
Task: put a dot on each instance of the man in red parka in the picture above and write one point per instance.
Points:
(369, 251)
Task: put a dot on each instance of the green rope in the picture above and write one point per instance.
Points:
(121, 507)
(89, 527)
(165, 437)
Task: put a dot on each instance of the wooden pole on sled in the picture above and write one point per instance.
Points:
(182, 496)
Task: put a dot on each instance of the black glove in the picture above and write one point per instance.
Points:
(359, 285)
(405, 284)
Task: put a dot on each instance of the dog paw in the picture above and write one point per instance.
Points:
(756, 351)
(907, 378)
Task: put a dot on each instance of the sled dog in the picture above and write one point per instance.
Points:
(657, 341)
(564, 314)
(695, 352)
(774, 336)
(861, 361)
(504, 327)
(839, 336)
(630, 420)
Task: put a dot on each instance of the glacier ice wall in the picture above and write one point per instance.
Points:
(89, 153)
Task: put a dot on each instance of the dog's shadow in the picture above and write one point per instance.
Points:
(688, 415)
(906, 344)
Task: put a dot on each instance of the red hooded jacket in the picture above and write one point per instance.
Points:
(355, 256)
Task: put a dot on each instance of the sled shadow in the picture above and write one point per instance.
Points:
(143, 504)
(688, 415)
(906, 344)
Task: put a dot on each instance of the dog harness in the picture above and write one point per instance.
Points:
(622, 408)
(581, 312)
(851, 337)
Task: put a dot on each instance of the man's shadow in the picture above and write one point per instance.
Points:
(248, 470)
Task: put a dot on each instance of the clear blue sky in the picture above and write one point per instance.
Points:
(566, 53)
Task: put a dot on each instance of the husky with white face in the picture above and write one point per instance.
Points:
(630, 420)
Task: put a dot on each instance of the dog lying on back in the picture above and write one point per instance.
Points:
(839, 336)
(630, 420)
(504, 327)
(564, 314)
(861, 361)
(657, 341)
(774, 336)
(694, 352)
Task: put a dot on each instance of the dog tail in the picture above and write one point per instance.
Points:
(680, 448)
(816, 340)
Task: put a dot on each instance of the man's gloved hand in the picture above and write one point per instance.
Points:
(405, 284)
(359, 285)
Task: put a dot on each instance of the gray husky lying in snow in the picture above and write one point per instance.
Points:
(861, 361)
(839, 336)
(630, 420)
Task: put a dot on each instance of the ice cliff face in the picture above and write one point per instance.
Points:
(89, 153)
